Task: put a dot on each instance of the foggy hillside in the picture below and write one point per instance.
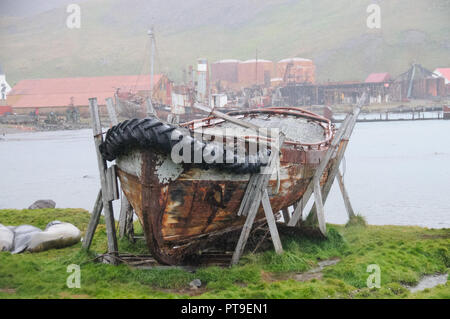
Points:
(35, 41)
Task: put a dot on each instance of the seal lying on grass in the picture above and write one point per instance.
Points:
(29, 238)
(6, 238)
(22, 237)
(56, 235)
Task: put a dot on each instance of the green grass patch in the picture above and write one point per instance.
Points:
(404, 255)
(357, 220)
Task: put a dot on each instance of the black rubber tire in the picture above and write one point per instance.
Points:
(152, 133)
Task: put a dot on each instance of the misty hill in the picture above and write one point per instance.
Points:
(112, 40)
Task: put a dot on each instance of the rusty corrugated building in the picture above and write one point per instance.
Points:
(419, 83)
(416, 83)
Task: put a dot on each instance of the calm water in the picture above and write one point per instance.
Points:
(396, 172)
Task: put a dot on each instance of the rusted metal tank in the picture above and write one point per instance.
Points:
(181, 207)
(225, 71)
(255, 72)
(296, 70)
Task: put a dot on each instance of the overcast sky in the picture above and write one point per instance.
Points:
(22, 8)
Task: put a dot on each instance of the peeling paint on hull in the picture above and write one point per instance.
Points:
(180, 213)
(181, 207)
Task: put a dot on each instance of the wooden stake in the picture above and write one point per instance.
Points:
(286, 217)
(271, 222)
(348, 205)
(93, 222)
(111, 111)
(319, 205)
(126, 213)
(319, 172)
(339, 155)
(239, 250)
(252, 199)
(339, 142)
(150, 109)
(107, 205)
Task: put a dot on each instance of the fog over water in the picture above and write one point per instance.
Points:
(395, 172)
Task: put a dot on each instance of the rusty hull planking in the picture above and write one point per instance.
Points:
(179, 212)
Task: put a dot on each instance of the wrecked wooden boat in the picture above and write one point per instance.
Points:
(182, 205)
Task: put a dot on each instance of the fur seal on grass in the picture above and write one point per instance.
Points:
(56, 235)
(6, 238)
(22, 237)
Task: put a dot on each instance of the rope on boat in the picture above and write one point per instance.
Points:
(150, 133)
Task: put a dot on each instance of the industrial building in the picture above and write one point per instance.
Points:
(231, 74)
(416, 83)
(58, 94)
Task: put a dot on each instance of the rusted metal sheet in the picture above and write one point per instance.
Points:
(446, 110)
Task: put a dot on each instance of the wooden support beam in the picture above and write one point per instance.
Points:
(111, 111)
(126, 211)
(126, 218)
(227, 117)
(150, 109)
(111, 181)
(338, 145)
(319, 204)
(93, 222)
(239, 250)
(319, 172)
(286, 217)
(348, 205)
(271, 222)
(102, 166)
(252, 200)
(339, 155)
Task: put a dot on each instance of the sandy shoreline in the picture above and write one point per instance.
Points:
(14, 129)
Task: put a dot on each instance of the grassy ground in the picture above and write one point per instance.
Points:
(404, 254)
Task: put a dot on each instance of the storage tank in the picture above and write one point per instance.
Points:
(202, 80)
(300, 70)
(225, 71)
(255, 72)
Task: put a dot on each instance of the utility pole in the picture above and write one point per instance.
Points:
(256, 67)
(152, 58)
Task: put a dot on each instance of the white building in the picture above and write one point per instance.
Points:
(4, 86)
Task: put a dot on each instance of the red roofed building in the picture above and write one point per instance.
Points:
(444, 73)
(56, 95)
(378, 78)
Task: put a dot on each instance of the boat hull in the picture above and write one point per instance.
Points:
(180, 208)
